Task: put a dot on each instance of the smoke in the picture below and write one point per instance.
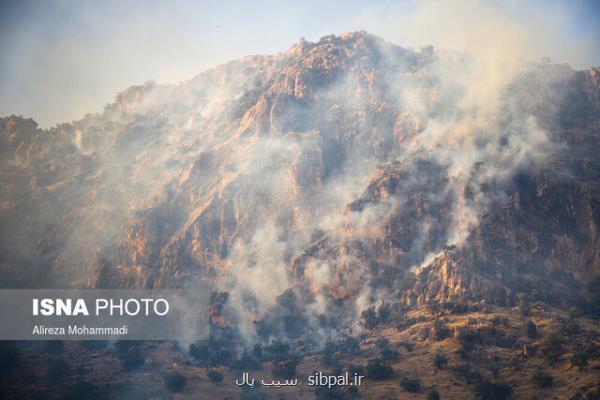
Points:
(304, 170)
(468, 118)
(498, 32)
(256, 276)
(476, 133)
(457, 112)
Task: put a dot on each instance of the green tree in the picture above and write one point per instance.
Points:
(214, 376)
(433, 395)
(531, 329)
(440, 361)
(175, 382)
(543, 379)
(369, 317)
(580, 358)
(440, 330)
(552, 347)
(523, 304)
(378, 370)
(412, 385)
(489, 390)
(285, 369)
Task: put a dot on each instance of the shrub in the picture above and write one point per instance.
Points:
(265, 328)
(325, 393)
(440, 330)
(571, 327)
(523, 304)
(213, 352)
(349, 345)
(433, 307)
(433, 395)
(593, 290)
(552, 347)
(133, 359)
(317, 235)
(54, 346)
(383, 313)
(488, 390)
(352, 391)
(580, 359)
(9, 356)
(278, 350)
(593, 394)
(390, 354)
(468, 373)
(440, 361)
(409, 346)
(214, 376)
(246, 362)
(355, 369)
(258, 352)
(386, 351)
(57, 368)
(494, 368)
(379, 370)
(467, 338)
(383, 343)
(455, 306)
(411, 385)
(542, 379)
(126, 390)
(248, 393)
(199, 352)
(285, 369)
(175, 382)
(83, 390)
(329, 354)
(531, 329)
(294, 324)
(123, 346)
(369, 317)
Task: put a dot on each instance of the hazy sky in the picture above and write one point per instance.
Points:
(62, 59)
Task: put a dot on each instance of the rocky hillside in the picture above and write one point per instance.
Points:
(348, 169)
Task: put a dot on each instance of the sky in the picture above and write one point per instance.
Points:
(62, 59)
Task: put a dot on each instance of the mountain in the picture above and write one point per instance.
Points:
(350, 174)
